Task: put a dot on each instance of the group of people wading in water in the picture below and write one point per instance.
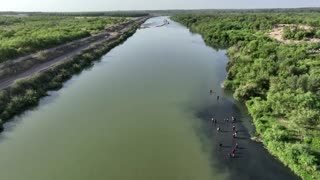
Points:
(234, 130)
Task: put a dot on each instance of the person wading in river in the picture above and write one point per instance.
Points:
(233, 153)
(234, 135)
(233, 119)
(214, 121)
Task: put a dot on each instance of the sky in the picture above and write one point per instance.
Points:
(108, 5)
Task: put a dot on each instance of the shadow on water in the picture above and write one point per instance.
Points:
(51, 97)
(17, 120)
(251, 160)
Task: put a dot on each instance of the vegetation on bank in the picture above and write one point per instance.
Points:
(280, 83)
(27, 92)
(24, 35)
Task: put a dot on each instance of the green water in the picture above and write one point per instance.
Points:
(135, 115)
(128, 117)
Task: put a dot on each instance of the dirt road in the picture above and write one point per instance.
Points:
(85, 44)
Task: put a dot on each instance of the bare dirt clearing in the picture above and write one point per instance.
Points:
(277, 33)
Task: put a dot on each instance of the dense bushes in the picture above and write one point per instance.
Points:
(280, 83)
(292, 150)
(23, 35)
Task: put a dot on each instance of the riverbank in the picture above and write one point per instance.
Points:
(276, 81)
(27, 92)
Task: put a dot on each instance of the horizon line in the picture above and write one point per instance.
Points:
(218, 9)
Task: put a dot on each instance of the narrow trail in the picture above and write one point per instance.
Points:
(6, 82)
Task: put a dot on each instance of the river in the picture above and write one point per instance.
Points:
(140, 113)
